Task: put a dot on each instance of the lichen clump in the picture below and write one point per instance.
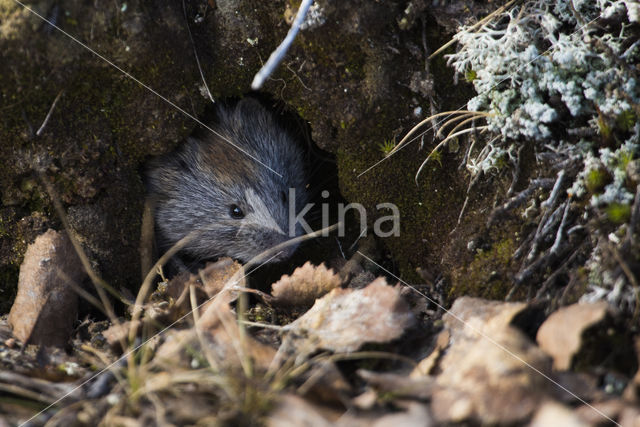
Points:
(563, 76)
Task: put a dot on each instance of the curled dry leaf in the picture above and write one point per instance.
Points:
(345, 319)
(552, 413)
(487, 373)
(115, 334)
(427, 364)
(399, 385)
(292, 411)
(211, 279)
(215, 275)
(305, 285)
(561, 335)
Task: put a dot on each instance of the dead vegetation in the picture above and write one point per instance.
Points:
(318, 351)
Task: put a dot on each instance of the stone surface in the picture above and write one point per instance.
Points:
(46, 304)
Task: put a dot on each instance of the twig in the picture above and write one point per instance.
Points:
(556, 244)
(544, 183)
(278, 55)
(520, 251)
(543, 229)
(517, 172)
(551, 200)
(46, 119)
(547, 283)
(631, 277)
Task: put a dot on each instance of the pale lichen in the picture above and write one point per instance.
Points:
(561, 78)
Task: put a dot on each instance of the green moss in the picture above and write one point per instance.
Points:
(387, 146)
(470, 76)
(618, 213)
(626, 120)
(487, 275)
(596, 180)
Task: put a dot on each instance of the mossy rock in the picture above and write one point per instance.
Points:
(357, 78)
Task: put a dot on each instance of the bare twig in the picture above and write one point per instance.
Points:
(278, 55)
(520, 198)
(556, 244)
(517, 172)
(46, 119)
(547, 283)
(631, 277)
(551, 200)
(544, 228)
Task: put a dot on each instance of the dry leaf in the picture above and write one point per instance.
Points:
(215, 275)
(345, 319)
(561, 334)
(293, 411)
(115, 334)
(486, 372)
(211, 279)
(398, 385)
(555, 414)
(305, 285)
(427, 364)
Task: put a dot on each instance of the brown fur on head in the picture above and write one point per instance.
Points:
(236, 206)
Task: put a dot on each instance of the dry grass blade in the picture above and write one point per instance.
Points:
(442, 143)
(459, 125)
(97, 281)
(459, 115)
(478, 24)
(99, 284)
(146, 284)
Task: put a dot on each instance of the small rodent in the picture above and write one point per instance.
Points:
(237, 206)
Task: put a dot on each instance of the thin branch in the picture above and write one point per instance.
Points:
(46, 119)
(278, 55)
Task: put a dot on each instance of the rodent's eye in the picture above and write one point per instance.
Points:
(235, 212)
(283, 195)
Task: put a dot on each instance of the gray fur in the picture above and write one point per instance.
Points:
(194, 187)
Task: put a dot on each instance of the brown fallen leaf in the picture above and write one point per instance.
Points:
(555, 414)
(398, 385)
(486, 373)
(600, 412)
(560, 335)
(293, 411)
(46, 304)
(216, 274)
(630, 417)
(427, 364)
(345, 319)
(115, 334)
(209, 281)
(221, 342)
(305, 285)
